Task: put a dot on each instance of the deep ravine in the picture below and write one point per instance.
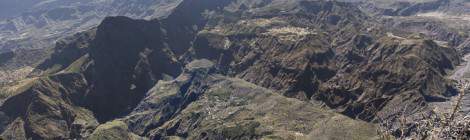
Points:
(461, 75)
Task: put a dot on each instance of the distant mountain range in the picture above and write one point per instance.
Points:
(39, 23)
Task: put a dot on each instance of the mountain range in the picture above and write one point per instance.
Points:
(229, 69)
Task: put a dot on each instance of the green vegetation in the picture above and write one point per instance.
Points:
(76, 65)
(240, 130)
(220, 94)
(14, 88)
(341, 127)
(113, 130)
(55, 68)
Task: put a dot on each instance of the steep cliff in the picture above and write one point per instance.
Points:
(270, 69)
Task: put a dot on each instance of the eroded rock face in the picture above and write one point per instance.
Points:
(356, 71)
(16, 65)
(129, 56)
(465, 46)
(441, 20)
(116, 130)
(266, 65)
(202, 105)
(49, 108)
(66, 52)
(343, 78)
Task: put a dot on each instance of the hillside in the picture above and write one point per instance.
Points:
(239, 69)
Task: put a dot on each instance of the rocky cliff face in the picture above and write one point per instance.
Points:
(18, 64)
(355, 70)
(138, 58)
(231, 69)
(48, 108)
(202, 105)
(35, 29)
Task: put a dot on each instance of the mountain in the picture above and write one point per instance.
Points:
(30, 31)
(237, 69)
(442, 20)
(13, 8)
(38, 24)
(218, 107)
(412, 7)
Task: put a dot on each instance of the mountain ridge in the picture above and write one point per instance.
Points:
(163, 78)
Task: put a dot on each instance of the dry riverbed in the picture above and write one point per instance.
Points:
(460, 74)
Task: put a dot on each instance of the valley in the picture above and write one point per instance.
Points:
(235, 69)
(461, 75)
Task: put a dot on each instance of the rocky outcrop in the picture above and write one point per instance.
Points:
(202, 105)
(356, 74)
(465, 46)
(17, 64)
(49, 108)
(115, 130)
(128, 58)
(268, 68)
(438, 30)
(66, 52)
